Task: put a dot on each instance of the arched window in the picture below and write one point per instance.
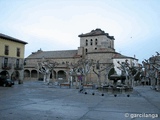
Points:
(86, 42)
(61, 75)
(96, 41)
(34, 73)
(26, 73)
(91, 42)
(86, 50)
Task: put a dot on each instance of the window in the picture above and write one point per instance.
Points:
(91, 42)
(86, 51)
(5, 62)
(86, 42)
(97, 65)
(6, 50)
(17, 63)
(18, 52)
(96, 41)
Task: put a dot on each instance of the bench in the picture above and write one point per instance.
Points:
(65, 84)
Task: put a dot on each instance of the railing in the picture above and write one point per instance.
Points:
(18, 66)
(6, 66)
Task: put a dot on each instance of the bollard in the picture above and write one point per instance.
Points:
(92, 93)
(128, 95)
(85, 93)
(102, 94)
(115, 95)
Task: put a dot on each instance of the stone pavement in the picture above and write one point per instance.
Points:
(34, 100)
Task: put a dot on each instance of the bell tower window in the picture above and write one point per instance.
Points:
(91, 42)
(86, 51)
(96, 41)
(86, 42)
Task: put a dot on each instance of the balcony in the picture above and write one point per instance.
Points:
(6, 66)
(18, 66)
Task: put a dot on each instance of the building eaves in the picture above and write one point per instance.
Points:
(96, 32)
(120, 56)
(6, 37)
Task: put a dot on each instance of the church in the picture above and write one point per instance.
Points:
(96, 45)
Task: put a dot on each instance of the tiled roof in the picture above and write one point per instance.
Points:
(11, 38)
(96, 32)
(120, 56)
(54, 54)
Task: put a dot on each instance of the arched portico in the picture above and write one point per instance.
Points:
(4, 74)
(34, 74)
(15, 75)
(27, 74)
(61, 75)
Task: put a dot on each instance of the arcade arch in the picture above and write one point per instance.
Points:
(15, 75)
(61, 75)
(27, 74)
(4, 74)
(34, 74)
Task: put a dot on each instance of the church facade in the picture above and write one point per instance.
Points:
(96, 45)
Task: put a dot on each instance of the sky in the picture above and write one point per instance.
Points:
(53, 25)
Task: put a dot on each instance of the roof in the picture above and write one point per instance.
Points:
(6, 37)
(54, 54)
(120, 56)
(96, 32)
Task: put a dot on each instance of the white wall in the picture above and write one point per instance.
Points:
(130, 61)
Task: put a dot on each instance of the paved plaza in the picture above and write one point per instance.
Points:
(34, 100)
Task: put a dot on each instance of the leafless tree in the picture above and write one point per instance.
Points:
(152, 68)
(45, 67)
(80, 69)
(130, 72)
(100, 69)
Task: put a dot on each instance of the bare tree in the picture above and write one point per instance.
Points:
(84, 68)
(152, 68)
(130, 72)
(100, 70)
(45, 67)
(80, 69)
(73, 71)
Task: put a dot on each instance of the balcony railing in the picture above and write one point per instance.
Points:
(6, 66)
(18, 67)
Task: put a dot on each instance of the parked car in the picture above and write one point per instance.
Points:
(5, 82)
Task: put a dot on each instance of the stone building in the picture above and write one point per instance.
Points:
(152, 72)
(96, 45)
(11, 57)
(122, 58)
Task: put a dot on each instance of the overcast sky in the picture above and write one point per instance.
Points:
(55, 24)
